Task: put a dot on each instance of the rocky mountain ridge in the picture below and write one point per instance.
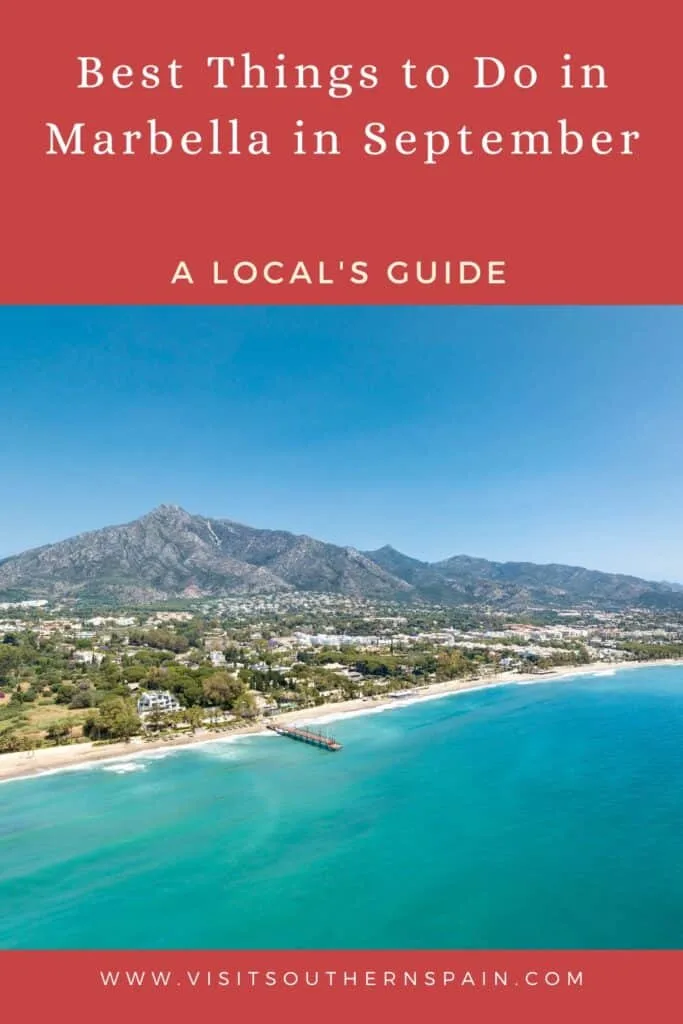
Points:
(170, 553)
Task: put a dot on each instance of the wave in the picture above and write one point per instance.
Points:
(402, 702)
(81, 766)
(212, 745)
(124, 767)
(396, 705)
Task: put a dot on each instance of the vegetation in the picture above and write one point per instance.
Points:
(64, 679)
(653, 651)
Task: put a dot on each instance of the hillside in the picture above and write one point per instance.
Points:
(170, 553)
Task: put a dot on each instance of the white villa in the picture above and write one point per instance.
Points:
(157, 700)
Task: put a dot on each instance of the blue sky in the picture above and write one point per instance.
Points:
(534, 433)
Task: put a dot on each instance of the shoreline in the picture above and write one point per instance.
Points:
(52, 760)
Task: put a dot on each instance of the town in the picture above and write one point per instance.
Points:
(69, 674)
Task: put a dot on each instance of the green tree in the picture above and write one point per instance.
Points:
(116, 718)
(155, 720)
(194, 716)
(245, 705)
(222, 689)
(59, 732)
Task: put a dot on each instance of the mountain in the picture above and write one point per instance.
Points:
(524, 584)
(170, 553)
(424, 578)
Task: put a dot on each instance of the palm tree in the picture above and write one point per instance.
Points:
(176, 718)
(156, 719)
(194, 716)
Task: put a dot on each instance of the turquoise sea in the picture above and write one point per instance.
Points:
(546, 815)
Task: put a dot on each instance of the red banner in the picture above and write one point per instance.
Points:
(427, 153)
(336, 987)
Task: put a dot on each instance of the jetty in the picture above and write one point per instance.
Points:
(316, 739)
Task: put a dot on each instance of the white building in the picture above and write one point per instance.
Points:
(88, 657)
(157, 700)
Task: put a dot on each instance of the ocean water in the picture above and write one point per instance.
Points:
(546, 815)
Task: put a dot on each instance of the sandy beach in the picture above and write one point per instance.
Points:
(43, 760)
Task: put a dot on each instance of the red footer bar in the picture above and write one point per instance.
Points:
(342, 986)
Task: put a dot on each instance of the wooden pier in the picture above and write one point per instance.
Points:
(316, 739)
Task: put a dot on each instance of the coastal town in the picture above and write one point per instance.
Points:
(196, 667)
